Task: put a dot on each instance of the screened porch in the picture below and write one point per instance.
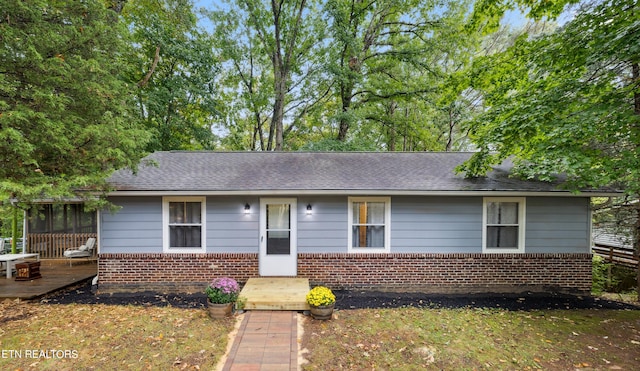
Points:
(53, 228)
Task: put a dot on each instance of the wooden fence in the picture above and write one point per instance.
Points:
(619, 255)
(53, 245)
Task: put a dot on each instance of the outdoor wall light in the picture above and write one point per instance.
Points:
(308, 209)
(247, 208)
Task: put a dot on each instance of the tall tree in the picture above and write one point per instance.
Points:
(287, 25)
(324, 69)
(285, 33)
(429, 95)
(388, 50)
(246, 80)
(568, 103)
(65, 107)
(176, 76)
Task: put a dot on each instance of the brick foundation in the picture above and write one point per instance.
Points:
(451, 273)
(435, 273)
(171, 272)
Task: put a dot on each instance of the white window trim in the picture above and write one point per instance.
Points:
(387, 225)
(165, 225)
(522, 205)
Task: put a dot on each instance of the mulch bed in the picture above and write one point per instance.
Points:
(354, 299)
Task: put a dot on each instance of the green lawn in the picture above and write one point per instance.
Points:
(415, 339)
(108, 337)
(71, 337)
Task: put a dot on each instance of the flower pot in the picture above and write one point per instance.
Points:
(322, 311)
(219, 310)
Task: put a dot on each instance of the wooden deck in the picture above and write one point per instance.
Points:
(276, 293)
(56, 274)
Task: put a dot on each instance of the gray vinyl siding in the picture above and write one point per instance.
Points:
(325, 230)
(557, 225)
(419, 224)
(136, 227)
(229, 229)
(454, 224)
(436, 224)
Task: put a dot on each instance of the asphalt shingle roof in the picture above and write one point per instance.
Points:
(314, 172)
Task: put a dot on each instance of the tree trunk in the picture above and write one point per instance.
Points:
(14, 233)
(282, 63)
(635, 73)
(636, 246)
(344, 127)
(278, 107)
(345, 97)
(393, 134)
(452, 124)
(154, 64)
(117, 5)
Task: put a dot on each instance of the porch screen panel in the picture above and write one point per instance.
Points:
(185, 224)
(368, 224)
(278, 229)
(63, 218)
(502, 225)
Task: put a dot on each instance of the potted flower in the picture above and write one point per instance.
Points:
(222, 293)
(321, 302)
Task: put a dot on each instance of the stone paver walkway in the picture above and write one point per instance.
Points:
(266, 340)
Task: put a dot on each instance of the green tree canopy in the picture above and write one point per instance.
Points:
(270, 52)
(176, 72)
(381, 72)
(566, 102)
(65, 110)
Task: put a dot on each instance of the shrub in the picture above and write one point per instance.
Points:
(601, 275)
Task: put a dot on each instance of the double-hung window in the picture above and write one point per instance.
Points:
(369, 220)
(184, 224)
(503, 225)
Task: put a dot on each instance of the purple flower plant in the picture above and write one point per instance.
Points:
(223, 290)
(226, 285)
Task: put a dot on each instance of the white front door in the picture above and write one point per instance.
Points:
(278, 237)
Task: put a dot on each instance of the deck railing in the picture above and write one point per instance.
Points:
(620, 255)
(53, 245)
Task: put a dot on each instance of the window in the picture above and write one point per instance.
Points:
(184, 224)
(278, 228)
(369, 224)
(503, 225)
